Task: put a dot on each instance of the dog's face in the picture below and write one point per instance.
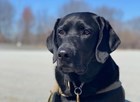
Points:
(78, 39)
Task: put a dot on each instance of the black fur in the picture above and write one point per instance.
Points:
(81, 43)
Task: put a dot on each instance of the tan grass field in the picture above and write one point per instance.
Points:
(27, 76)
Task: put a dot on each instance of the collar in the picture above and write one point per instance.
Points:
(111, 87)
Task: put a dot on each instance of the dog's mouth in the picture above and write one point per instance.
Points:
(81, 71)
(70, 68)
(72, 65)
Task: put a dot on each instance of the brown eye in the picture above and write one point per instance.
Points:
(86, 32)
(61, 32)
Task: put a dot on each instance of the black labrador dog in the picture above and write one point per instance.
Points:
(81, 44)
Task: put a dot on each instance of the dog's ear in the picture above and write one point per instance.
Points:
(52, 41)
(108, 40)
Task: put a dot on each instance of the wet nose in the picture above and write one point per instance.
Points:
(63, 54)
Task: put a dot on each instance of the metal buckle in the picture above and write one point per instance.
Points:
(78, 91)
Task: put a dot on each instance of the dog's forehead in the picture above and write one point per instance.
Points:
(86, 18)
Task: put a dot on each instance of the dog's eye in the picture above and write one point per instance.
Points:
(61, 32)
(86, 32)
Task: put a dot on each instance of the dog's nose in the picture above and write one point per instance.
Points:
(63, 54)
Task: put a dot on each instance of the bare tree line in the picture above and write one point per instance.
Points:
(33, 28)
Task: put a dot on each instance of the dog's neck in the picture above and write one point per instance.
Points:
(106, 75)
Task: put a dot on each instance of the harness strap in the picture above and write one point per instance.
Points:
(55, 88)
(113, 86)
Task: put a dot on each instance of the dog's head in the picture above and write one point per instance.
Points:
(79, 38)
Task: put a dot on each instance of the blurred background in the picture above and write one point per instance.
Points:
(26, 69)
(29, 22)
